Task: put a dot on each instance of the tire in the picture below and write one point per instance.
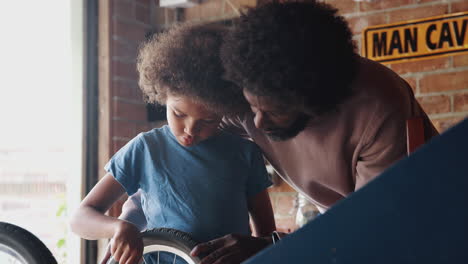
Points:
(168, 240)
(23, 245)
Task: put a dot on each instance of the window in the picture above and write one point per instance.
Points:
(40, 113)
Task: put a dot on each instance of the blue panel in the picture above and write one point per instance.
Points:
(415, 212)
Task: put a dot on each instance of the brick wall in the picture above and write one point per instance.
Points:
(130, 21)
(441, 84)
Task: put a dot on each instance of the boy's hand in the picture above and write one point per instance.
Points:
(127, 244)
(230, 249)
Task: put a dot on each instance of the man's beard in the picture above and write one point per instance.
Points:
(293, 130)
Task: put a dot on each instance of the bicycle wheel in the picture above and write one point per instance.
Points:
(19, 246)
(167, 241)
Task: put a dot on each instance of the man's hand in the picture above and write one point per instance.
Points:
(230, 249)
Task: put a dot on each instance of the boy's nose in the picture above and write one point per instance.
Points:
(190, 129)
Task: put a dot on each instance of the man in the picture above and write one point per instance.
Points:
(328, 120)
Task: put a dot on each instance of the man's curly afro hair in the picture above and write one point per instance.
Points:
(297, 53)
(185, 61)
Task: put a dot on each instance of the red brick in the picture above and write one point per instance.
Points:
(344, 7)
(382, 4)
(126, 89)
(229, 10)
(286, 225)
(460, 60)
(142, 14)
(123, 129)
(123, 9)
(192, 13)
(358, 44)
(129, 111)
(248, 3)
(285, 204)
(425, 1)
(159, 16)
(145, 3)
(126, 51)
(412, 82)
(442, 124)
(417, 12)
(241, 4)
(357, 24)
(125, 70)
(460, 6)
(460, 102)
(210, 9)
(436, 104)
(171, 15)
(444, 82)
(421, 65)
(233, 7)
(118, 144)
(139, 94)
(143, 127)
(129, 31)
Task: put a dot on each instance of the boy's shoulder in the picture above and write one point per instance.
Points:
(153, 132)
(153, 135)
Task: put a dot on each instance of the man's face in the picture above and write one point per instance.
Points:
(278, 121)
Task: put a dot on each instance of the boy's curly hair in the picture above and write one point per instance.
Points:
(295, 52)
(185, 61)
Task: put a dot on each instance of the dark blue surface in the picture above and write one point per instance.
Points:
(415, 212)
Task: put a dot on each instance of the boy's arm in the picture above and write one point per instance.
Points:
(261, 214)
(133, 213)
(90, 222)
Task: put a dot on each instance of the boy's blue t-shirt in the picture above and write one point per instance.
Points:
(202, 189)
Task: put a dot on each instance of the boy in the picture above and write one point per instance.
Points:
(191, 175)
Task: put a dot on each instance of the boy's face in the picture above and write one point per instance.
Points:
(190, 122)
(278, 121)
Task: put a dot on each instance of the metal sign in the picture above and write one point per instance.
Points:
(417, 39)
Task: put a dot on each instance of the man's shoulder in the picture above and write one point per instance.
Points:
(381, 86)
